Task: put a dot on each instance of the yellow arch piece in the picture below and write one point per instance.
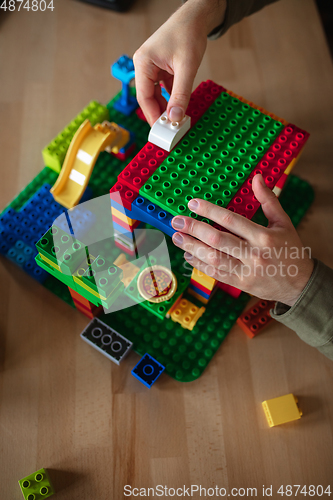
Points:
(81, 157)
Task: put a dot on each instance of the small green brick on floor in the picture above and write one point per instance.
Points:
(55, 152)
(37, 486)
(215, 157)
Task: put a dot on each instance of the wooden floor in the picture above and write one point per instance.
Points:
(65, 407)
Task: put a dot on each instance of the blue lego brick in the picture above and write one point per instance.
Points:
(146, 211)
(20, 230)
(147, 370)
(130, 142)
(87, 195)
(36, 272)
(20, 253)
(77, 221)
(123, 69)
(126, 105)
(4, 246)
(121, 209)
(200, 292)
(165, 94)
(122, 230)
(119, 229)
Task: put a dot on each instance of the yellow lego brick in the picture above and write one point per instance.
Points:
(293, 163)
(122, 217)
(187, 314)
(79, 282)
(281, 410)
(203, 279)
(197, 296)
(173, 307)
(50, 262)
(209, 286)
(122, 136)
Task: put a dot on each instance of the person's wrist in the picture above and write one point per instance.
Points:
(210, 12)
(299, 284)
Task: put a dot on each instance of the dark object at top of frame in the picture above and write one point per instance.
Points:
(118, 5)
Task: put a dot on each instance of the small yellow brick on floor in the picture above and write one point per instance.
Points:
(281, 410)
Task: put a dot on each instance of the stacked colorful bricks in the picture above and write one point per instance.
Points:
(94, 279)
(230, 141)
(218, 157)
(123, 230)
(84, 306)
(201, 286)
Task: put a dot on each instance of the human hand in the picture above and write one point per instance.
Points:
(172, 55)
(270, 263)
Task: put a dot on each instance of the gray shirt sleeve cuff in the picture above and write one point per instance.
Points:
(236, 10)
(311, 317)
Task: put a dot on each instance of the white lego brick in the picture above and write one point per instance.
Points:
(166, 134)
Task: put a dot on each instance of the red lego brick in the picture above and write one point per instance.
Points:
(254, 320)
(83, 305)
(231, 290)
(143, 165)
(201, 287)
(127, 195)
(140, 114)
(285, 148)
(202, 98)
(128, 152)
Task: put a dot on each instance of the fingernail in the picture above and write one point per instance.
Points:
(176, 114)
(193, 205)
(261, 180)
(188, 256)
(178, 223)
(178, 239)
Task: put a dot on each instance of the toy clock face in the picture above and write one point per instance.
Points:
(157, 284)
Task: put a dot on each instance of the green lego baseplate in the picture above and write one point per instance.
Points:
(37, 486)
(241, 135)
(184, 353)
